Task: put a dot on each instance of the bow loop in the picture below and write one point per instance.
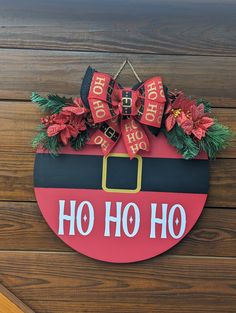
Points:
(122, 111)
(102, 97)
(152, 102)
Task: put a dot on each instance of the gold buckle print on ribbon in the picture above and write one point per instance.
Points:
(110, 132)
(139, 173)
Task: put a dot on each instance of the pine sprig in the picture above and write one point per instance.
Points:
(41, 140)
(80, 141)
(217, 137)
(207, 104)
(182, 142)
(53, 104)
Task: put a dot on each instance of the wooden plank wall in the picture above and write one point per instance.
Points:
(9, 303)
(46, 46)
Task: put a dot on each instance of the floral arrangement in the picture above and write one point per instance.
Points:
(186, 122)
(65, 123)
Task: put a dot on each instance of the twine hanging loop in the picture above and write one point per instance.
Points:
(132, 68)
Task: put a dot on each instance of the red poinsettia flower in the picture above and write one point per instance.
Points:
(178, 111)
(77, 108)
(198, 122)
(78, 123)
(65, 131)
(189, 116)
(68, 123)
(60, 118)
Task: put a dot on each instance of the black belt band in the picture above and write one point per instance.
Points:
(85, 172)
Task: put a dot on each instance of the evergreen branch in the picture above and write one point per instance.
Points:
(52, 144)
(182, 142)
(207, 104)
(53, 104)
(217, 137)
(80, 141)
(39, 139)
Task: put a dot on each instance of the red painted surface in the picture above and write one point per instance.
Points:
(121, 249)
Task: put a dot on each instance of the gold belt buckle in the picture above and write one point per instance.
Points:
(104, 173)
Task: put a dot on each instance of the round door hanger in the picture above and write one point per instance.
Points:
(119, 210)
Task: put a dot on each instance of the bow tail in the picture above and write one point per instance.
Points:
(134, 136)
(106, 136)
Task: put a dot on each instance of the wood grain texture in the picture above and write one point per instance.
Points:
(23, 228)
(153, 26)
(7, 306)
(24, 71)
(46, 46)
(9, 303)
(20, 119)
(69, 282)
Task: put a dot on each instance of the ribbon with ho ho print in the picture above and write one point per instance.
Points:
(122, 112)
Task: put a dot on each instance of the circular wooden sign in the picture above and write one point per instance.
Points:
(120, 210)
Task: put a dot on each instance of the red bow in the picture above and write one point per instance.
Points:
(121, 111)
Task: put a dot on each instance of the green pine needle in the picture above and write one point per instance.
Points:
(53, 104)
(39, 139)
(207, 104)
(217, 138)
(182, 142)
(52, 144)
(80, 141)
